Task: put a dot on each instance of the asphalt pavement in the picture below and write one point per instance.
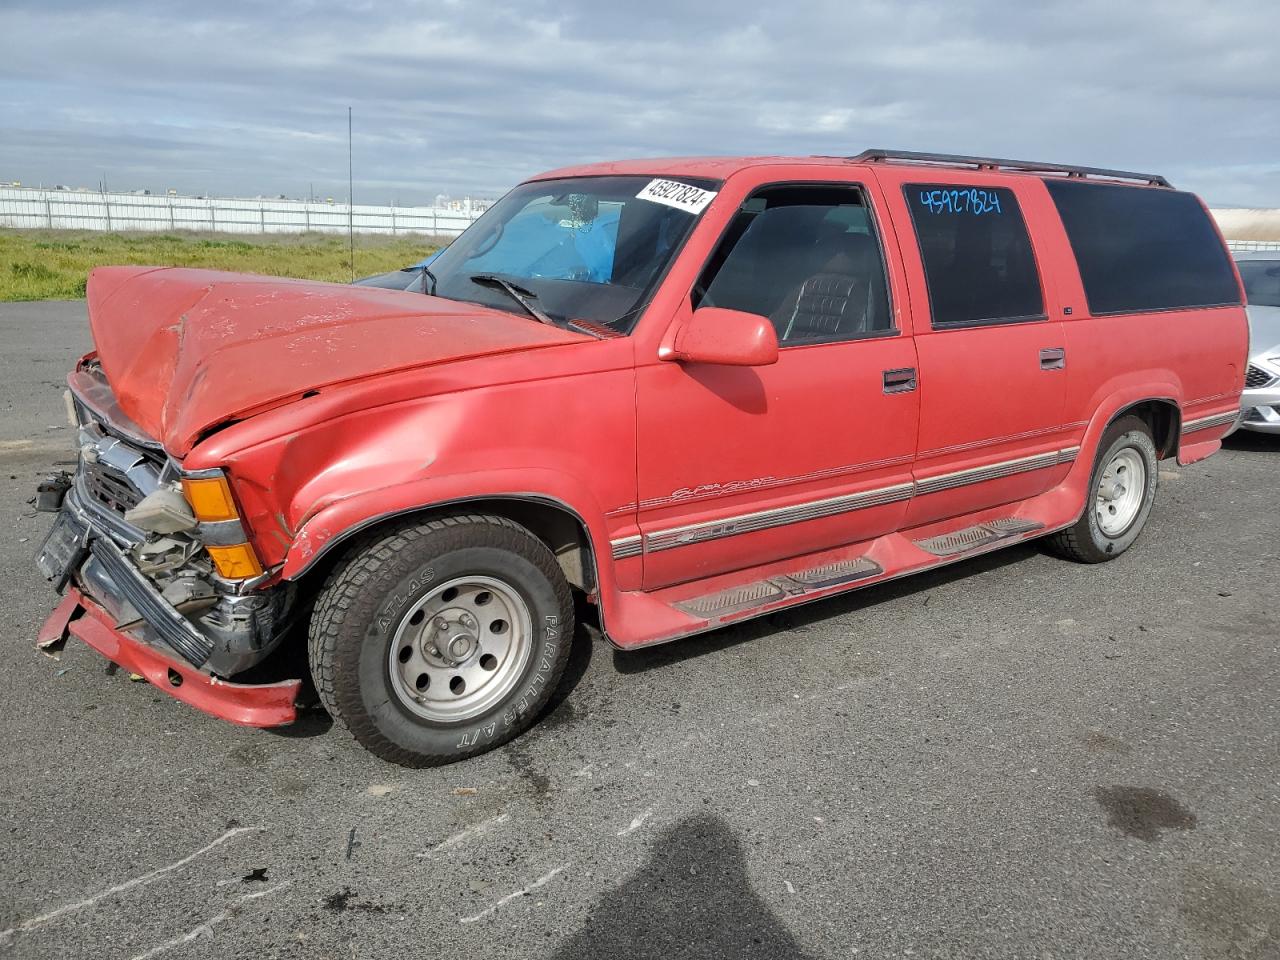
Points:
(1013, 757)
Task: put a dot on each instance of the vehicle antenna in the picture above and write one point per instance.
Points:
(351, 232)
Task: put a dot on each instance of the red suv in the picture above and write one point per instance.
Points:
(693, 391)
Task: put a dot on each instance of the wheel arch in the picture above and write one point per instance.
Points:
(551, 520)
(1162, 415)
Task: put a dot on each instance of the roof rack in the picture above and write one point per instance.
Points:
(994, 163)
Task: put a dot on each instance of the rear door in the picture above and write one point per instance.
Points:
(992, 357)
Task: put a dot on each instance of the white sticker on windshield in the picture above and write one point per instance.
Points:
(682, 196)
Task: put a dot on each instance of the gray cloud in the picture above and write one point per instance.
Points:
(244, 98)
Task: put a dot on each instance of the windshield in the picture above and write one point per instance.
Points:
(587, 248)
(1261, 282)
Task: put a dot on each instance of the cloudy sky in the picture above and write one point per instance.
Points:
(242, 97)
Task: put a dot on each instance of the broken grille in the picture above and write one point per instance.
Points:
(109, 488)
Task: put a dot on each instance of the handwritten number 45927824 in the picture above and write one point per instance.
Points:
(967, 200)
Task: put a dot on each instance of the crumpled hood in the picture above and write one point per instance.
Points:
(185, 350)
(1264, 331)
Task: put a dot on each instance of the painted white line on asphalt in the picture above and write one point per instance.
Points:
(637, 823)
(523, 891)
(206, 929)
(34, 922)
(482, 827)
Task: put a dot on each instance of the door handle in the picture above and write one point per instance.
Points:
(901, 380)
(1053, 358)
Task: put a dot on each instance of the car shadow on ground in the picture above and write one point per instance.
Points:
(1252, 440)
(691, 899)
(656, 658)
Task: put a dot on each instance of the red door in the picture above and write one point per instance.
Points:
(744, 465)
(993, 363)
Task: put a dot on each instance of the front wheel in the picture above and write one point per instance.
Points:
(442, 640)
(1121, 491)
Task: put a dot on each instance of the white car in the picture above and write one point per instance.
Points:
(1260, 404)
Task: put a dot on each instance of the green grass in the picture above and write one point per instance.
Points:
(54, 264)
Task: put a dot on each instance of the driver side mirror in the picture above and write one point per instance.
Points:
(726, 337)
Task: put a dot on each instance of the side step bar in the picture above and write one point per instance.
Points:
(979, 535)
(735, 599)
(748, 596)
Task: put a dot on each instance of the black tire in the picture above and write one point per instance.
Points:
(368, 595)
(1086, 541)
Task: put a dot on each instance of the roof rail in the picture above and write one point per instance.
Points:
(994, 163)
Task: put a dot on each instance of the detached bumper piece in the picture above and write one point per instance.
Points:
(51, 491)
(250, 705)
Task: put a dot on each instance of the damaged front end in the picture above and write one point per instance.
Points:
(182, 582)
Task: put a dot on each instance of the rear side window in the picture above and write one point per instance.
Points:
(1141, 248)
(977, 256)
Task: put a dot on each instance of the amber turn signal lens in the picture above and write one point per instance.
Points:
(210, 499)
(237, 562)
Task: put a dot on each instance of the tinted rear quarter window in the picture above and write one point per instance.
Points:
(1141, 249)
(978, 261)
(1261, 281)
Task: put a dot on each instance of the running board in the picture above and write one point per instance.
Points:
(979, 535)
(761, 592)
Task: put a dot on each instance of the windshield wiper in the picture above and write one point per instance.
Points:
(428, 275)
(519, 294)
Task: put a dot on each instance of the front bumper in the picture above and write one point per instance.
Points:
(251, 705)
(152, 602)
(89, 547)
(1261, 409)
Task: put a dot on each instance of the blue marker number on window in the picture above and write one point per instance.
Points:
(970, 200)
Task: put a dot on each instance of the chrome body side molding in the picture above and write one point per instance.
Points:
(1216, 420)
(673, 537)
(777, 517)
(626, 547)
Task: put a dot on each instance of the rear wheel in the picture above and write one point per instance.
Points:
(443, 640)
(1121, 492)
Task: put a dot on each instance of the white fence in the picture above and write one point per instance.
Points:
(25, 207)
(1248, 246)
(29, 208)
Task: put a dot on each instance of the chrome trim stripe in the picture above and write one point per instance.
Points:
(813, 510)
(1008, 468)
(1217, 420)
(220, 533)
(627, 547)
(777, 517)
(993, 441)
(708, 491)
(208, 473)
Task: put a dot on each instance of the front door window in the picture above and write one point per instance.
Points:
(809, 259)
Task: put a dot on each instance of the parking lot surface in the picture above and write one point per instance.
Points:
(1013, 757)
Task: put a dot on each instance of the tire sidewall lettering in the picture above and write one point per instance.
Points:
(387, 616)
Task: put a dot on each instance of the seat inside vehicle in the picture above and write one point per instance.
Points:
(846, 299)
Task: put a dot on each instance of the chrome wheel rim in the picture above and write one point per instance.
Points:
(460, 649)
(1121, 490)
